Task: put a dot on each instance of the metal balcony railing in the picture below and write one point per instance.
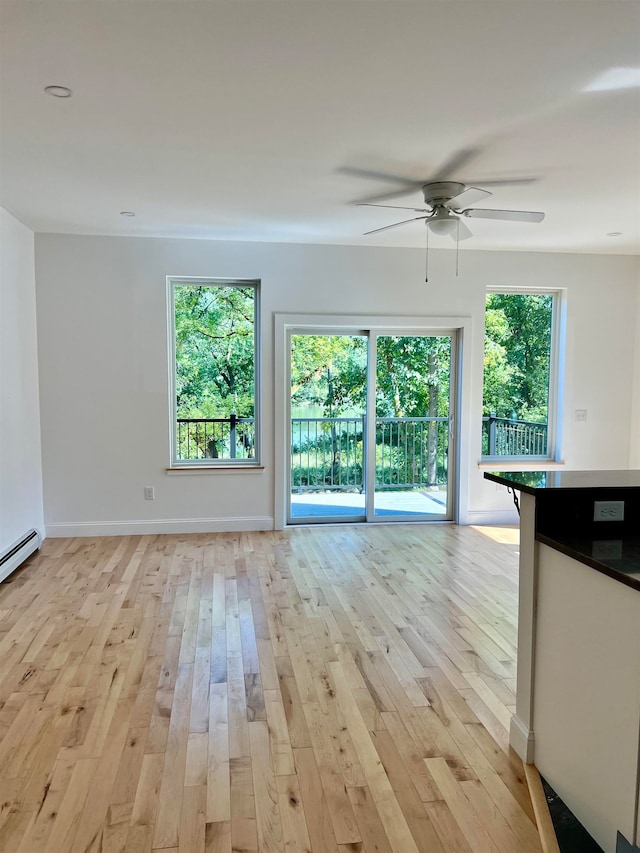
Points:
(327, 454)
(215, 438)
(505, 437)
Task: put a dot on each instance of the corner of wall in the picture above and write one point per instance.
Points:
(634, 432)
(21, 489)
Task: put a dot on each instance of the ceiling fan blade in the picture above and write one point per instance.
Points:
(408, 188)
(392, 207)
(505, 182)
(395, 225)
(512, 215)
(372, 173)
(453, 164)
(463, 232)
(470, 195)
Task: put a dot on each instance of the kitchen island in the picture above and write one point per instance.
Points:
(578, 682)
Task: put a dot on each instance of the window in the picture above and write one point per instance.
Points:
(214, 354)
(521, 330)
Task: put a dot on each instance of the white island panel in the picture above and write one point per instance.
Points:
(586, 710)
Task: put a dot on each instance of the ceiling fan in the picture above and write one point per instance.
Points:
(446, 202)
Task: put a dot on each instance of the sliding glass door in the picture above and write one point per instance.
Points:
(413, 426)
(370, 426)
(328, 424)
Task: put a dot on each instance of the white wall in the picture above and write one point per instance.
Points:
(103, 364)
(634, 449)
(20, 452)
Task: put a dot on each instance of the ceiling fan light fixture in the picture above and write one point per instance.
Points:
(443, 225)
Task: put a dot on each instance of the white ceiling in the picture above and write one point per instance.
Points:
(232, 120)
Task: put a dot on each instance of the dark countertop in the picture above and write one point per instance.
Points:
(565, 516)
(617, 558)
(537, 481)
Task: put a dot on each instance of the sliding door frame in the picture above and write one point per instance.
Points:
(460, 405)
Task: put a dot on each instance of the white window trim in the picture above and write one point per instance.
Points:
(212, 465)
(556, 381)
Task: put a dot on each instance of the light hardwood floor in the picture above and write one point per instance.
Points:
(328, 689)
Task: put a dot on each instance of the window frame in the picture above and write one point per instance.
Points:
(556, 376)
(210, 463)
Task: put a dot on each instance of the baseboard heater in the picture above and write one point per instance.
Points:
(17, 553)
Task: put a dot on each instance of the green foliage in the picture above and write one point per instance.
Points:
(214, 351)
(412, 374)
(517, 355)
(329, 371)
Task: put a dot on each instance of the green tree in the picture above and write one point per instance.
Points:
(413, 376)
(517, 355)
(329, 371)
(214, 351)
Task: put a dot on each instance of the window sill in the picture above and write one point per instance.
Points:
(519, 465)
(207, 469)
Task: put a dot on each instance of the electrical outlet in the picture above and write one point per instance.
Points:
(149, 493)
(581, 414)
(608, 510)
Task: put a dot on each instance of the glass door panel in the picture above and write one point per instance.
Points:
(412, 433)
(328, 427)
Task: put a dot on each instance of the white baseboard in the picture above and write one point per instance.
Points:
(162, 525)
(59, 529)
(498, 516)
(522, 739)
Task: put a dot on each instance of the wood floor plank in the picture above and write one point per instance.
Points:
(217, 837)
(170, 802)
(340, 812)
(412, 808)
(244, 832)
(268, 821)
(474, 828)
(327, 689)
(218, 775)
(448, 829)
(314, 801)
(191, 833)
(396, 827)
(66, 822)
(295, 834)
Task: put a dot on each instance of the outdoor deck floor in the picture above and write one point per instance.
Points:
(407, 504)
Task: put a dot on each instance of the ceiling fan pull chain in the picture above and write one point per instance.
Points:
(426, 266)
(457, 247)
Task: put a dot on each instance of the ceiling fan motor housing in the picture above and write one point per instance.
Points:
(438, 192)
